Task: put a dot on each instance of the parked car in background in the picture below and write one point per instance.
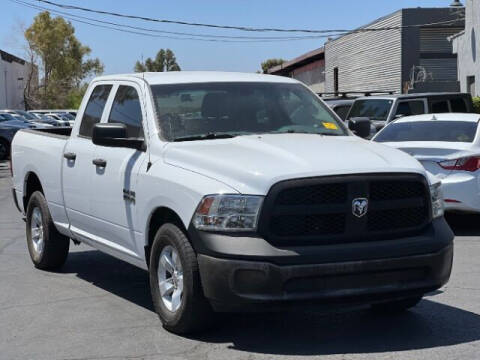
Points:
(340, 106)
(32, 120)
(236, 192)
(383, 109)
(11, 121)
(448, 146)
(62, 119)
(6, 135)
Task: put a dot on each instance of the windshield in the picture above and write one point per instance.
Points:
(375, 109)
(433, 130)
(25, 114)
(209, 110)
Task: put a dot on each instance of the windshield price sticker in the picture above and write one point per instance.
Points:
(330, 126)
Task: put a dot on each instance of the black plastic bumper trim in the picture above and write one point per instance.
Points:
(236, 284)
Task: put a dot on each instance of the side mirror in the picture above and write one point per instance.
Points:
(360, 126)
(115, 135)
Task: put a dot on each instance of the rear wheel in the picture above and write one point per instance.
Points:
(175, 283)
(4, 149)
(396, 306)
(47, 247)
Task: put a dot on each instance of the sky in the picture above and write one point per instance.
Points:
(119, 51)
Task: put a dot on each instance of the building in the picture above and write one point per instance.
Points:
(308, 68)
(409, 52)
(14, 73)
(466, 45)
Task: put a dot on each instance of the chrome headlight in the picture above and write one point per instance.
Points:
(228, 213)
(437, 200)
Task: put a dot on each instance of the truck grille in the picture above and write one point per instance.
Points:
(319, 210)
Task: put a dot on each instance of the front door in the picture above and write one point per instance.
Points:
(114, 181)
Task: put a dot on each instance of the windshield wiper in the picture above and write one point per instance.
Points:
(209, 136)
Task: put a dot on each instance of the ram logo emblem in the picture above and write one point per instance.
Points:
(359, 207)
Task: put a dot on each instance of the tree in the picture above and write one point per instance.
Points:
(270, 63)
(61, 58)
(164, 61)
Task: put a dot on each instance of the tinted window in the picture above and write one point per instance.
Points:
(458, 105)
(433, 130)
(241, 108)
(440, 106)
(126, 109)
(408, 108)
(93, 111)
(342, 111)
(375, 109)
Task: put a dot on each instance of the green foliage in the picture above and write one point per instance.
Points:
(476, 104)
(270, 63)
(62, 59)
(164, 61)
(75, 96)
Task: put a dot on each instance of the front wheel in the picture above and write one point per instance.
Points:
(175, 283)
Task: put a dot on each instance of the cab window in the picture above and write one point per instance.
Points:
(94, 110)
(440, 106)
(409, 108)
(126, 110)
(458, 105)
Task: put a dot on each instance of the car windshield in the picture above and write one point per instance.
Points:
(433, 130)
(25, 114)
(375, 109)
(212, 110)
(7, 116)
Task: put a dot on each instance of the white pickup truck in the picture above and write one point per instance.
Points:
(236, 192)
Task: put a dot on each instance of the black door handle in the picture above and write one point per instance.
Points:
(70, 156)
(99, 162)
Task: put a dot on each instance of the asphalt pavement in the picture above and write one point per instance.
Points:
(98, 307)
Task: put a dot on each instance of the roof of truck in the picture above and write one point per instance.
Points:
(184, 77)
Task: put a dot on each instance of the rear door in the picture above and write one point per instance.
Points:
(114, 185)
(77, 169)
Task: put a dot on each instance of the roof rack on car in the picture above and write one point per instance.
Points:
(347, 94)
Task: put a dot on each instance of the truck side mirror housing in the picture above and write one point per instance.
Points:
(115, 135)
(360, 126)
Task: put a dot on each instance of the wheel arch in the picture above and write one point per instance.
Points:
(31, 184)
(158, 217)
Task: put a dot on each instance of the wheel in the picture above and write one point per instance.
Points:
(4, 149)
(47, 247)
(396, 306)
(175, 283)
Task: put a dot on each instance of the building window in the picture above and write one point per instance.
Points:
(335, 80)
(471, 85)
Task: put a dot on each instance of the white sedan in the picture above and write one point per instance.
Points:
(448, 146)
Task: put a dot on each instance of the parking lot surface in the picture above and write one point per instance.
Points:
(98, 307)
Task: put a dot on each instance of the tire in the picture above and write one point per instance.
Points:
(47, 247)
(193, 311)
(4, 149)
(397, 306)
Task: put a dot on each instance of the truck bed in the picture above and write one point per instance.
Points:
(63, 132)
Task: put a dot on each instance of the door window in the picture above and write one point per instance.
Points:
(408, 108)
(458, 105)
(126, 110)
(440, 106)
(93, 112)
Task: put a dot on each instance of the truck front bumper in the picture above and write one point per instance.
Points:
(256, 283)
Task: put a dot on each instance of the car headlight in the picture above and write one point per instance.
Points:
(228, 213)
(437, 200)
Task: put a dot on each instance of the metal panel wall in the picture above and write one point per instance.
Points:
(435, 40)
(367, 60)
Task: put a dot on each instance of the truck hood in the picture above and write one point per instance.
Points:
(252, 164)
